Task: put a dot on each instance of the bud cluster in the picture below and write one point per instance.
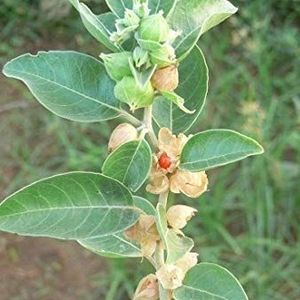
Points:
(150, 67)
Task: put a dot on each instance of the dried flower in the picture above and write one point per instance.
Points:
(166, 79)
(145, 233)
(147, 289)
(187, 262)
(191, 184)
(122, 134)
(179, 215)
(166, 175)
(170, 276)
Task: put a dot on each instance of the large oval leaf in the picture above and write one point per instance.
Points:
(213, 148)
(193, 73)
(130, 164)
(74, 205)
(118, 245)
(72, 85)
(194, 17)
(208, 281)
(114, 246)
(100, 27)
(118, 7)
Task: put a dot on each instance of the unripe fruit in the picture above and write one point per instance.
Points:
(166, 79)
(140, 57)
(128, 91)
(163, 57)
(122, 134)
(154, 28)
(117, 65)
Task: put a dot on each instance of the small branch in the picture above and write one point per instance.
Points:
(163, 199)
(133, 120)
(160, 254)
(149, 126)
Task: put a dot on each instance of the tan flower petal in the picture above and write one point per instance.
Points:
(122, 134)
(147, 289)
(191, 184)
(179, 215)
(170, 276)
(145, 233)
(187, 262)
(158, 182)
(170, 144)
(148, 247)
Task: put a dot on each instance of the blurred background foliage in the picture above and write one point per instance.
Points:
(248, 221)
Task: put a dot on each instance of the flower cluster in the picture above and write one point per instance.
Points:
(170, 276)
(166, 174)
(151, 67)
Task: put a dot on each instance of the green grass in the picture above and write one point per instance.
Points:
(249, 221)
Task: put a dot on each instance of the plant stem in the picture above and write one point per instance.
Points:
(163, 199)
(149, 126)
(133, 120)
(160, 255)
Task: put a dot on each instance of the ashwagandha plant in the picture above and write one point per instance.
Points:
(155, 67)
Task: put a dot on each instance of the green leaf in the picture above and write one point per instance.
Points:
(118, 6)
(176, 245)
(194, 17)
(118, 245)
(213, 148)
(72, 206)
(142, 78)
(72, 85)
(130, 163)
(177, 100)
(144, 205)
(193, 73)
(100, 27)
(208, 281)
(113, 246)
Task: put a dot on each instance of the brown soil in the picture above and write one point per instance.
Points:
(37, 268)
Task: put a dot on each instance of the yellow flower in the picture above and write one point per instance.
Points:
(166, 175)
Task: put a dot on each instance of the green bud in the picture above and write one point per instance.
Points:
(128, 91)
(164, 56)
(154, 28)
(117, 65)
(147, 44)
(140, 57)
(131, 19)
(141, 8)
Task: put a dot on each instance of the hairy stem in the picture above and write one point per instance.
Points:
(130, 118)
(160, 254)
(163, 199)
(149, 126)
